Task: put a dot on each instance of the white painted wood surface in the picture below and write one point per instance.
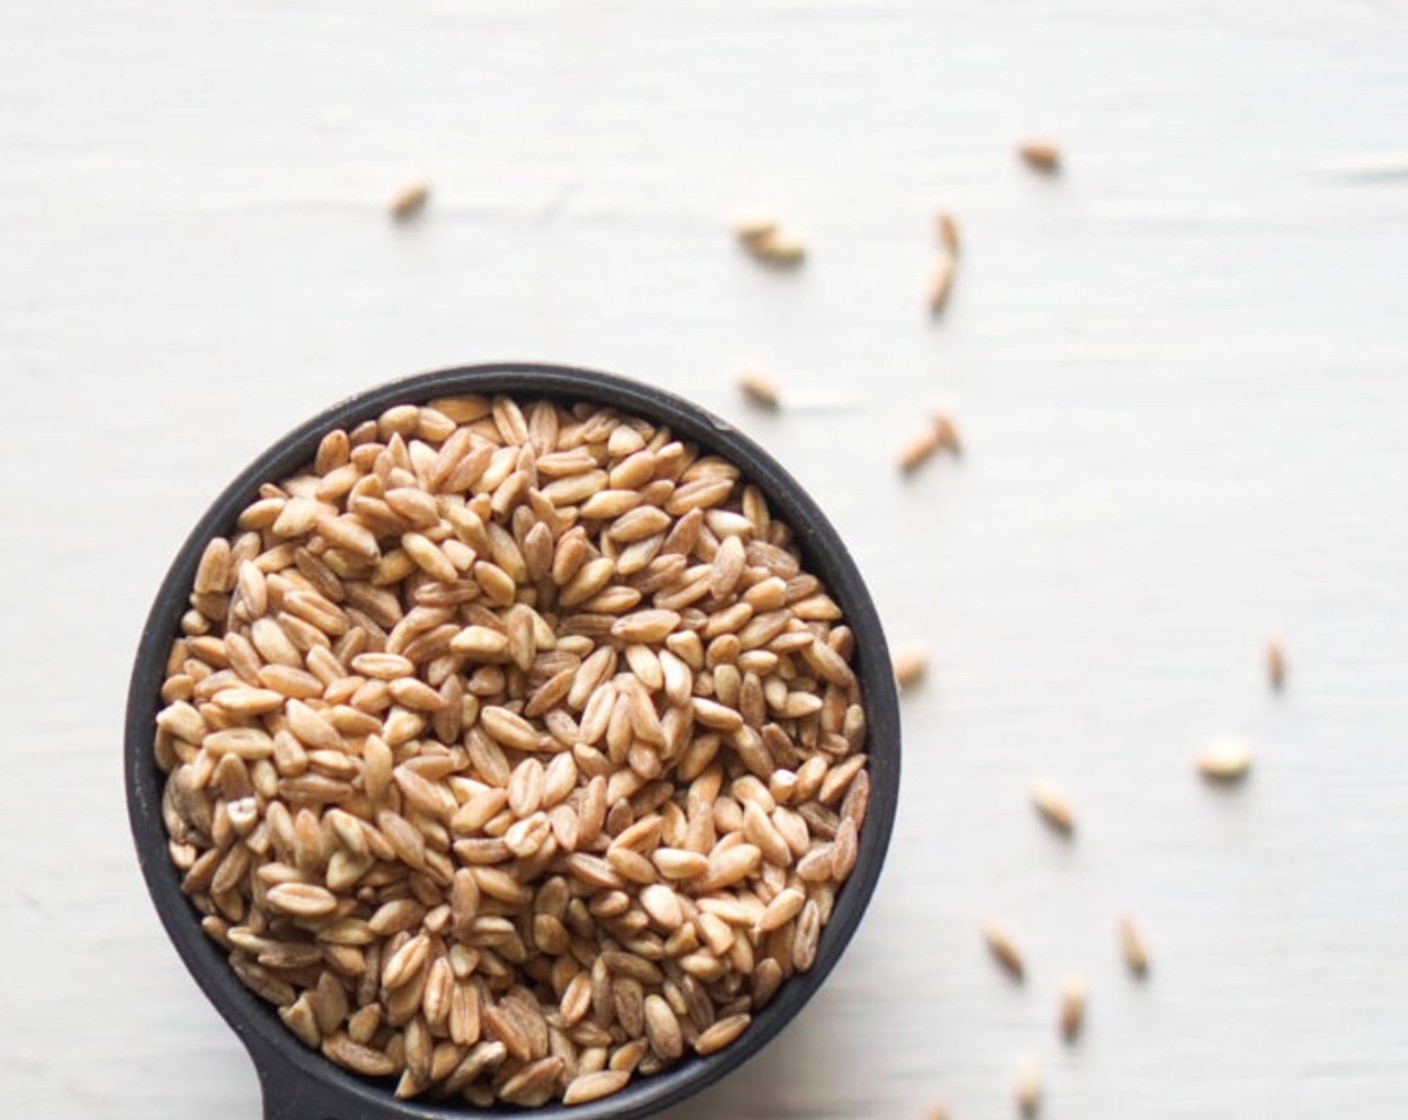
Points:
(1181, 369)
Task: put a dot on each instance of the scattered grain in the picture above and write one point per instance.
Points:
(1040, 155)
(910, 667)
(941, 283)
(769, 242)
(410, 200)
(1226, 759)
(1133, 946)
(940, 435)
(947, 227)
(759, 389)
(919, 450)
(1028, 1088)
(1053, 807)
(1072, 1013)
(1275, 665)
(751, 227)
(947, 433)
(1004, 949)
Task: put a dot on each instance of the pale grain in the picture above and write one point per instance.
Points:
(759, 389)
(776, 247)
(941, 283)
(1226, 759)
(1027, 1089)
(410, 200)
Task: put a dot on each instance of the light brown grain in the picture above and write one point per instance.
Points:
(946, 225)
(1003, 949)
(1053, 807)
(1071, 1015)
(721, 1034)
(759, 389)
(910, 667)
(947, 433)
(1041, 155)
(776, 247)
(1275, 665)
(1133, 946)
(410, 200)
(919, 450)
(941, 283)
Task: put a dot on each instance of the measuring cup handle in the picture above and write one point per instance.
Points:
(291, 1094)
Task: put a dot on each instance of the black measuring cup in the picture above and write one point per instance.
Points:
(299, 1083)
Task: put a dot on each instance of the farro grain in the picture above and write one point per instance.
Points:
(941, 283)
(779, 249)
(662, 1029)
(947, 227)
(721, 1033)
(750, 227)
(1225, 759)
(785, 906)
(947, 432)
(1028, 1088)
(1040, 155)
(410, 200)
(1053, 807)
(593, 1086)
(358, 1058)
(919, 449)
(213, 572)
(1133, 946)
(910, 668)
(299, 1018)
(1275, 665)
(1072, 1012)
(1004, 950)
(766, 240)
(846, 849)
(679, 863)
(534, 1084)
(759, 389)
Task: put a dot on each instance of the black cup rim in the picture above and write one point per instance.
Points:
(299, 1082)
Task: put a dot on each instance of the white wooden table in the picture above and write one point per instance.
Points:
(1181, 370)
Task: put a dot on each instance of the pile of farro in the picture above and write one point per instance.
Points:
(510, 750)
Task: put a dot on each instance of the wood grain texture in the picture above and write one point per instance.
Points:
(1180, 369)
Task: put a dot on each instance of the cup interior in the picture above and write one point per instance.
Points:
(295, 1077)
